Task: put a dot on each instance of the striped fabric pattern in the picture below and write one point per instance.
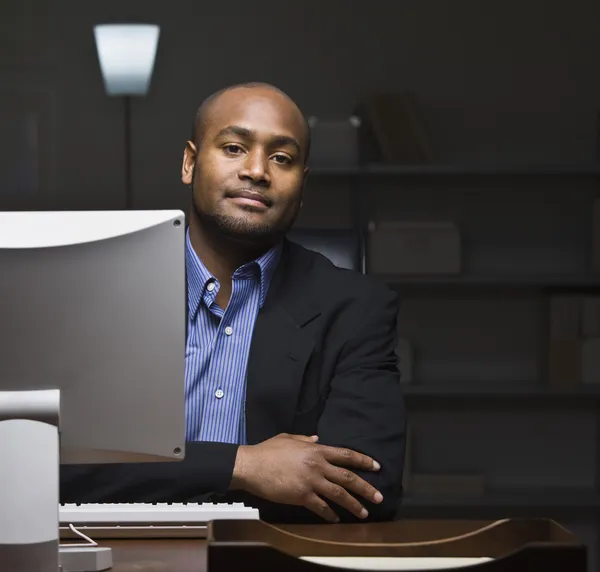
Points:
(218, 345)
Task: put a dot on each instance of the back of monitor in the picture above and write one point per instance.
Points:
(93, 305)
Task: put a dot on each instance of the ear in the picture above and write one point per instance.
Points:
(189, 162)
(304, 177)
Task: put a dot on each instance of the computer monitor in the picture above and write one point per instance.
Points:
(92, 357)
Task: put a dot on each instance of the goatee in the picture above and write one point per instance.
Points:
(240, 230)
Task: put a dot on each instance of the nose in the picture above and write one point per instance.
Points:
(256, 169)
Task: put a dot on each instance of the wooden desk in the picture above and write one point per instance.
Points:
(189, 554)
(158, 555)
(513, 545)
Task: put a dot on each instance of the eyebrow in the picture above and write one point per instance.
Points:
(277, 140)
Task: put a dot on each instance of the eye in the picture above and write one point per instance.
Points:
(282, 159)
(232, 149)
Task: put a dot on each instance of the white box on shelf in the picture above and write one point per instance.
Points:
(404, 351)
(396, 247)
(334, 143)
(590, 361)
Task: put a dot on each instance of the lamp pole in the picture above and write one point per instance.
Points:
(128, 177)
(126, 53)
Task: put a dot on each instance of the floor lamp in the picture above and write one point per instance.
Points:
(126, 53)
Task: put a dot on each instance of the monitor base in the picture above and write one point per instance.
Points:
(85, 558)
(29, 478)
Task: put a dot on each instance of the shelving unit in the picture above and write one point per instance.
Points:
(480, 401)
(496, 169)
(539, 281)
(588, 396)
(553, 499)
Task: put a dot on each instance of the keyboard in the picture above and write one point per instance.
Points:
(153, 514)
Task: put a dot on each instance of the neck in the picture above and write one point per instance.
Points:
(221, 255)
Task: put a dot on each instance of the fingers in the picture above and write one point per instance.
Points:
(321, 508)
(350, 458)
(341, 497)
(353, 483)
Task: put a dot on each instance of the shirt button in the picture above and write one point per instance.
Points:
(211, 286)
(229, 330)
(219, 393)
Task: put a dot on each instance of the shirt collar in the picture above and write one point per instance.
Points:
(267, 263)
(198, 276)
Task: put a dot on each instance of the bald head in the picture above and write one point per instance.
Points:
(235, 95)
(246, 164)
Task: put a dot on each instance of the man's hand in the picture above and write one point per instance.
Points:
(294, 469)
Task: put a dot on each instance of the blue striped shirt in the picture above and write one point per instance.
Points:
(218, 345)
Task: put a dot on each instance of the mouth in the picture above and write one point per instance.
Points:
(245, 197)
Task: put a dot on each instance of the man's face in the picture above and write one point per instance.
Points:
(248, 172)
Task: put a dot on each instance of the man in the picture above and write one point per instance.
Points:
(293, 401)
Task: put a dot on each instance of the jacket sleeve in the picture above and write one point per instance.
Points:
(205, 471)
(365, 408)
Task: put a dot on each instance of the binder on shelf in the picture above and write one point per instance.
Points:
(574, 317)
(564, 368)
(393, 130)
(565, 317)
(590, 361)
(595, 262)
(416, 248)
(565, 342)
(590, 319)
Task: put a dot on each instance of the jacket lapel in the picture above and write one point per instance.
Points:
(280, 350)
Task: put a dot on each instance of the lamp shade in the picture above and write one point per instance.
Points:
(126, 53)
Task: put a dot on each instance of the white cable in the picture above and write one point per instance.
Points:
(78, 532)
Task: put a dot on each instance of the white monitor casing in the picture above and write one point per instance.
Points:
(92, 358)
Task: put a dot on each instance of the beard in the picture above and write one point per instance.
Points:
(244, 230)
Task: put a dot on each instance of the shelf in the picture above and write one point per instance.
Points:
(584, 169)
(590, 169)
(562, 498)
(555, 281)
(336, 171)
(589, 395)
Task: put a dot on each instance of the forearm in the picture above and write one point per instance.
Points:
(374, 425)
(365, 409)
(206, 469)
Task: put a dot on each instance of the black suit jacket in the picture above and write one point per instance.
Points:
(322, 361)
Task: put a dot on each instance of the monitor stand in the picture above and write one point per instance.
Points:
(29, 483)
